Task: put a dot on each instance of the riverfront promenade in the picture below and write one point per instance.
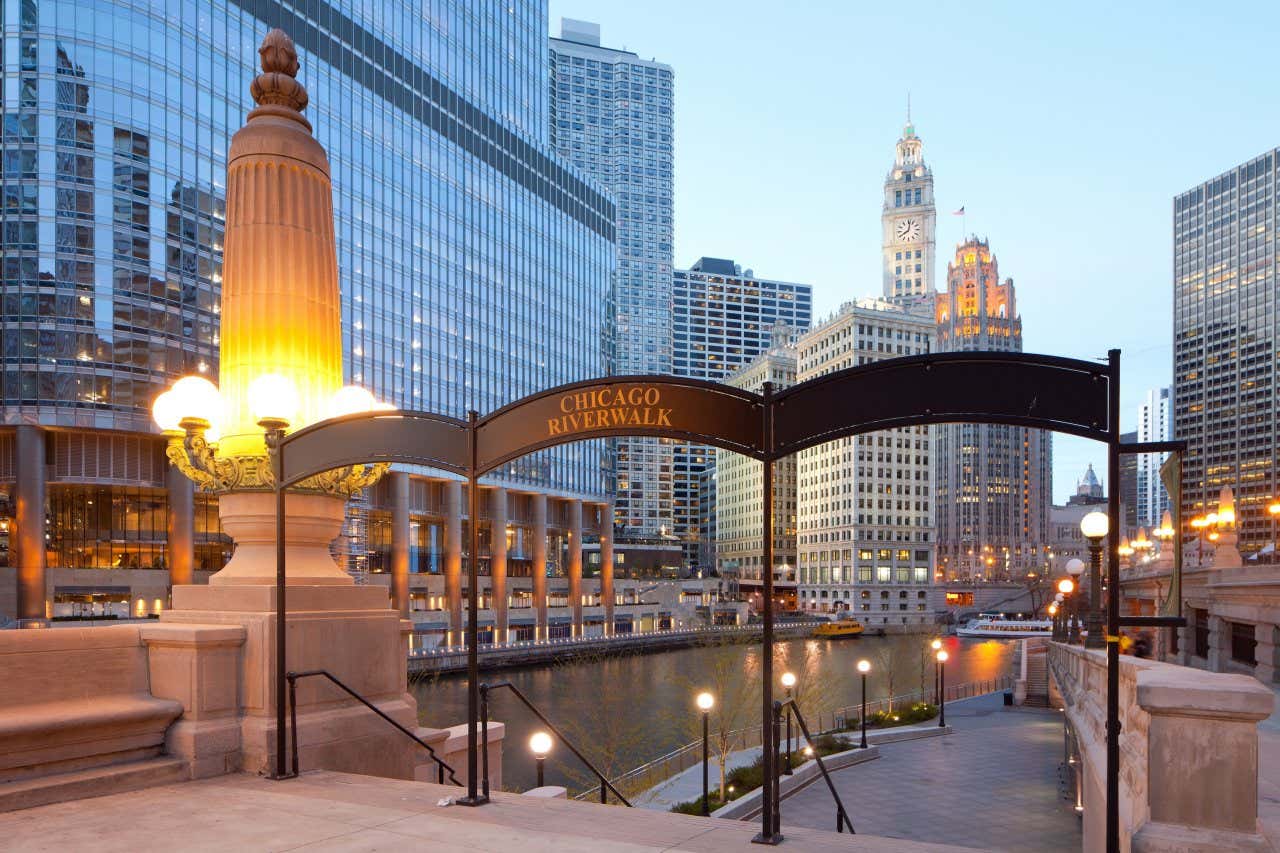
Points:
(992, 785)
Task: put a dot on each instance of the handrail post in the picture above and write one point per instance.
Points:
(484, 737)
(293, 717)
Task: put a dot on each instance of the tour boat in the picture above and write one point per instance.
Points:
(839, 628)
(1000, 627)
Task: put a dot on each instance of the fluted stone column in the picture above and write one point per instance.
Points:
(28, 540)
(182, 523)
(575, 564)
(606, 566)
(498, 562)
(400, 542)
(540, 566)
(453, 558)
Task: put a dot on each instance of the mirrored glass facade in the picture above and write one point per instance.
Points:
(475, 265)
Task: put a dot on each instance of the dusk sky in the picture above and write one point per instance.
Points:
(1064, 130)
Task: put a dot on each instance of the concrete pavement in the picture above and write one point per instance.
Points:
(992, 785)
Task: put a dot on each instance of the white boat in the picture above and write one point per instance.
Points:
(1010, 628)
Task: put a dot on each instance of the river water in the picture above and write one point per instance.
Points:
(623, 711)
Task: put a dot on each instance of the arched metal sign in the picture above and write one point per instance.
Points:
(686, 409)
(1034, 391)
(409, 438)
(1059, 394)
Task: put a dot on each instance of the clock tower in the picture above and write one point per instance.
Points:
(909, 223)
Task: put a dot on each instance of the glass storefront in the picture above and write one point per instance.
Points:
(125, 527)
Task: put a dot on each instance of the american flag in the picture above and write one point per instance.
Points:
(959, 212)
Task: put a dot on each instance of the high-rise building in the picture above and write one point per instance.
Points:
(865, 503)
(909, 223)
(1129, 485)
(475, 267)
(1225, 337)
(611, 116)
(722, 318)
(1155, 423)
(995, 482)
(739, 505)
(1089, 491)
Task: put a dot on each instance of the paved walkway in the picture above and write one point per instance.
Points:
(342, 813)
(992, 784)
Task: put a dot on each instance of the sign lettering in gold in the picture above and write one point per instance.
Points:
(605, 408)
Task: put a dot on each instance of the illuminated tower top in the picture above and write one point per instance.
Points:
(978, 311)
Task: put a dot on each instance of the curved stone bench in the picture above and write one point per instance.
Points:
(77, 698)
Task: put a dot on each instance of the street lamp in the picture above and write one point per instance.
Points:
(788, 681)
(864, 666)
(540, 746)
(705, 703)
(1094, 526)
(942, 688)
(935, 645)
(1075, 568)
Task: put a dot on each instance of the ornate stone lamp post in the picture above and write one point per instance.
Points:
(281, 369)
(1094, 526)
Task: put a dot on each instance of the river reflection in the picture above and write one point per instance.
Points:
(624, 711)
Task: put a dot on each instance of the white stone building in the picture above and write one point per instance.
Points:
(865, 503)
(740, 537)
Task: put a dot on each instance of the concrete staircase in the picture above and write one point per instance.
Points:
(91, 782)
(1035, 672)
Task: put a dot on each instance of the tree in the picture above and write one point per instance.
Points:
(735, 685)
(610, 734)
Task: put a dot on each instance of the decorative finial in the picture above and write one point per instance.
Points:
(908, 107)
(276, 84)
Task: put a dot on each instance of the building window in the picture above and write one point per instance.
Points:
(1243, 643)
(1201, 633)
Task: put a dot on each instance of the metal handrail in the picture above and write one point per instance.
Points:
(605, 784)
(292, 677)
(842, 816)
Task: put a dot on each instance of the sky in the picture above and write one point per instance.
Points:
(1065, 131)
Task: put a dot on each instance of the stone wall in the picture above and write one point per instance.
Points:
(1188, 751)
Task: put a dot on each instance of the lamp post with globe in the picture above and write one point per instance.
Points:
(1075, 568)
(1094, 526)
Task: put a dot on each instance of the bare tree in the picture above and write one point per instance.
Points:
(735, 684)
(610, 735)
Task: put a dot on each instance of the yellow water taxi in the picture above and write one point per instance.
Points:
(839, 628)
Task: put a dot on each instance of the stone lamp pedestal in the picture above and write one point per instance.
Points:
(334, 625)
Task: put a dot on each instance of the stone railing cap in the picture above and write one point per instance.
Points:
(185, 633)
(1180, 690)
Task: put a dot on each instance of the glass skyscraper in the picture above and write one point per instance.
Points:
(475, 264)
(611, 115)
(1225, 336)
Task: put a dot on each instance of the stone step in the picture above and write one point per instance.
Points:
(93, 782)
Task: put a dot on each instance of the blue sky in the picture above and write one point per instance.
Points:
(1064, 129)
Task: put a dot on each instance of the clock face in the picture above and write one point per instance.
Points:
(908, 230)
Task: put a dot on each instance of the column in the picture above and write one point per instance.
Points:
(28, 540)
(498, 562)
(540, 566)
(575, 564)
(1219, 643)
(400, 542)
(182, 528)
(606, 566)
(1265, 653)
(453, 558)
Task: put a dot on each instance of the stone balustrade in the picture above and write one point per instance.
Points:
(1188, 751)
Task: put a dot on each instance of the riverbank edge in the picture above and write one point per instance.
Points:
(551, 654)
